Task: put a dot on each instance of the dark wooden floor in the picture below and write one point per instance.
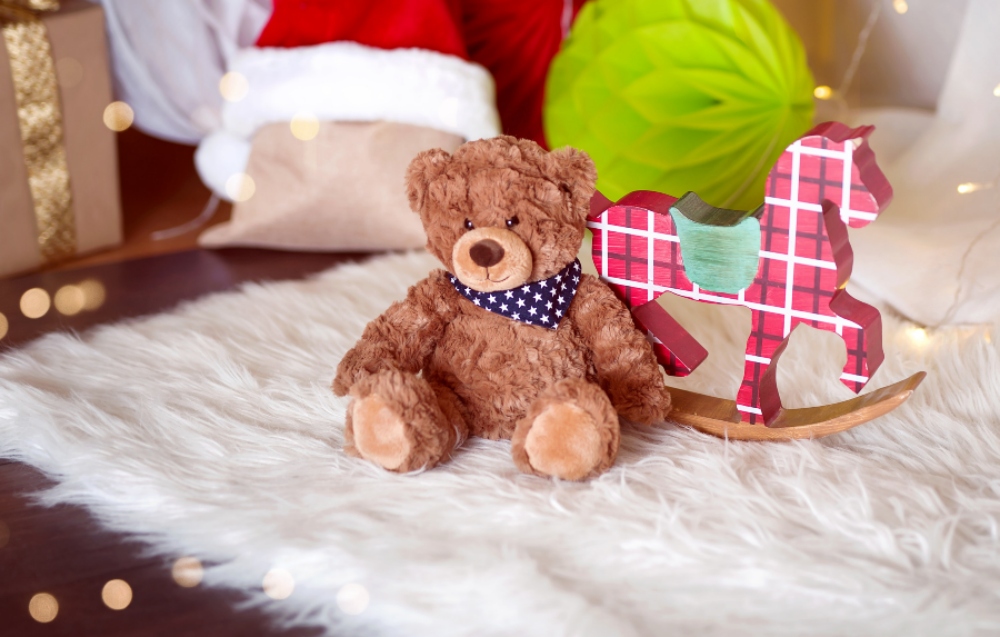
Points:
(63, 551)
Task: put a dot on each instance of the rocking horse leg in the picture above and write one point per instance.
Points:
(748, 399)
(765, 331)
(679, 353)
(863, 340)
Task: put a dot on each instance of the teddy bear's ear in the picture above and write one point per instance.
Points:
(576, 175)
(424, 168)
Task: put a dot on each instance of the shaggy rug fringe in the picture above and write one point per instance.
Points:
(211, 431)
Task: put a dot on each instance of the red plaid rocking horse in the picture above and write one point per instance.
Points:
(788, 262)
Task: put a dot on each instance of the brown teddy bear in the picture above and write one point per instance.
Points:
(513, 341)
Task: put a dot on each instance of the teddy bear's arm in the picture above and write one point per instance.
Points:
(624, 360)
(403, 337)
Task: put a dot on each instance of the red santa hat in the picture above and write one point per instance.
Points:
(404, 63)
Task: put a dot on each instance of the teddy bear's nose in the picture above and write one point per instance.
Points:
(486, 253)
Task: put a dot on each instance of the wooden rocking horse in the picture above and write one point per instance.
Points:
(788, 261)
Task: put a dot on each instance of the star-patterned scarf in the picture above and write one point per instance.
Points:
(542, 303)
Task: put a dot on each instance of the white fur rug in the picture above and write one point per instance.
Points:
(210, 430)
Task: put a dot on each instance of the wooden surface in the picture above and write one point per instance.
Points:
(63, 550)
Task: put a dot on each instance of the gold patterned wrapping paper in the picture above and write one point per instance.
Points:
(58, 163)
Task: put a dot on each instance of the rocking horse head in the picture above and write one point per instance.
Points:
(832, 162)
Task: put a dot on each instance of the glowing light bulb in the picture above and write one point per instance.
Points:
(918, 335)
(278, 583)
(240, 187)
(70, 300)
(94, 294)
(188, 572)
(234, 86)
(823, 92)
(117, 594)
(35, 303)
(43, 608)
(973, 186)
(900, 6)
(305, 126)
(118, 116)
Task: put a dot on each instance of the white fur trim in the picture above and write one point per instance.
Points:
(220, 156)
(345, 81)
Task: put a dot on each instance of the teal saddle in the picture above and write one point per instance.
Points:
(720, 248)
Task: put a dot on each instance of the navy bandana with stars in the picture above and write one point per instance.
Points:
(541, 303)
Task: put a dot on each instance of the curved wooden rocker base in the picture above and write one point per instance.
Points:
(719, 417)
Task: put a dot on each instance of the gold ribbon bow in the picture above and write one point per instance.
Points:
(36, 92)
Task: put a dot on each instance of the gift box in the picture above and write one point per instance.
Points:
(59, 192)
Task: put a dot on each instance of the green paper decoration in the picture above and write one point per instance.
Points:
(678, 95)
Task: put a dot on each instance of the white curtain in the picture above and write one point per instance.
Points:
(170, 54)
(934, 255)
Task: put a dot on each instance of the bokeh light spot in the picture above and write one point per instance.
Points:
(823, 92)
(118, 116)
(4, 325)
(93, 294)
(43, 608)
(233, 86)
(305, 126)
(900, 6)
(69, 300)
(188, 572)
(278, 583)
(35, 303)
(353, 599)
(918, 335)
(117, 594)
(240, 187)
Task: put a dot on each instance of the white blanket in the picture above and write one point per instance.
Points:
(210, 431)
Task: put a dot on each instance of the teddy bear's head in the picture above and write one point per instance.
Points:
(502, 212)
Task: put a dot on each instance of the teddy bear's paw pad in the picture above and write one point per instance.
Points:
(380, 433)
(564, 442)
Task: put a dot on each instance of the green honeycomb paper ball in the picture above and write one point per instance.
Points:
(678, 95)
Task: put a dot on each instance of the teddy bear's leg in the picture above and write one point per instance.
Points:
(402, 422)
(571, 432)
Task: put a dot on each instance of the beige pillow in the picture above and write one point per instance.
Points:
(342, 190)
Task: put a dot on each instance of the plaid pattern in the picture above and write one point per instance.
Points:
(637, 251)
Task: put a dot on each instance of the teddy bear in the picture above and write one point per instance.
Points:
(511, 340)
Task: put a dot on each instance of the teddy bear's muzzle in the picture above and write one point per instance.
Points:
(490, 259)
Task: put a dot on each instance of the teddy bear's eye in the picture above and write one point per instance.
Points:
(513, 221)
(469, 225)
